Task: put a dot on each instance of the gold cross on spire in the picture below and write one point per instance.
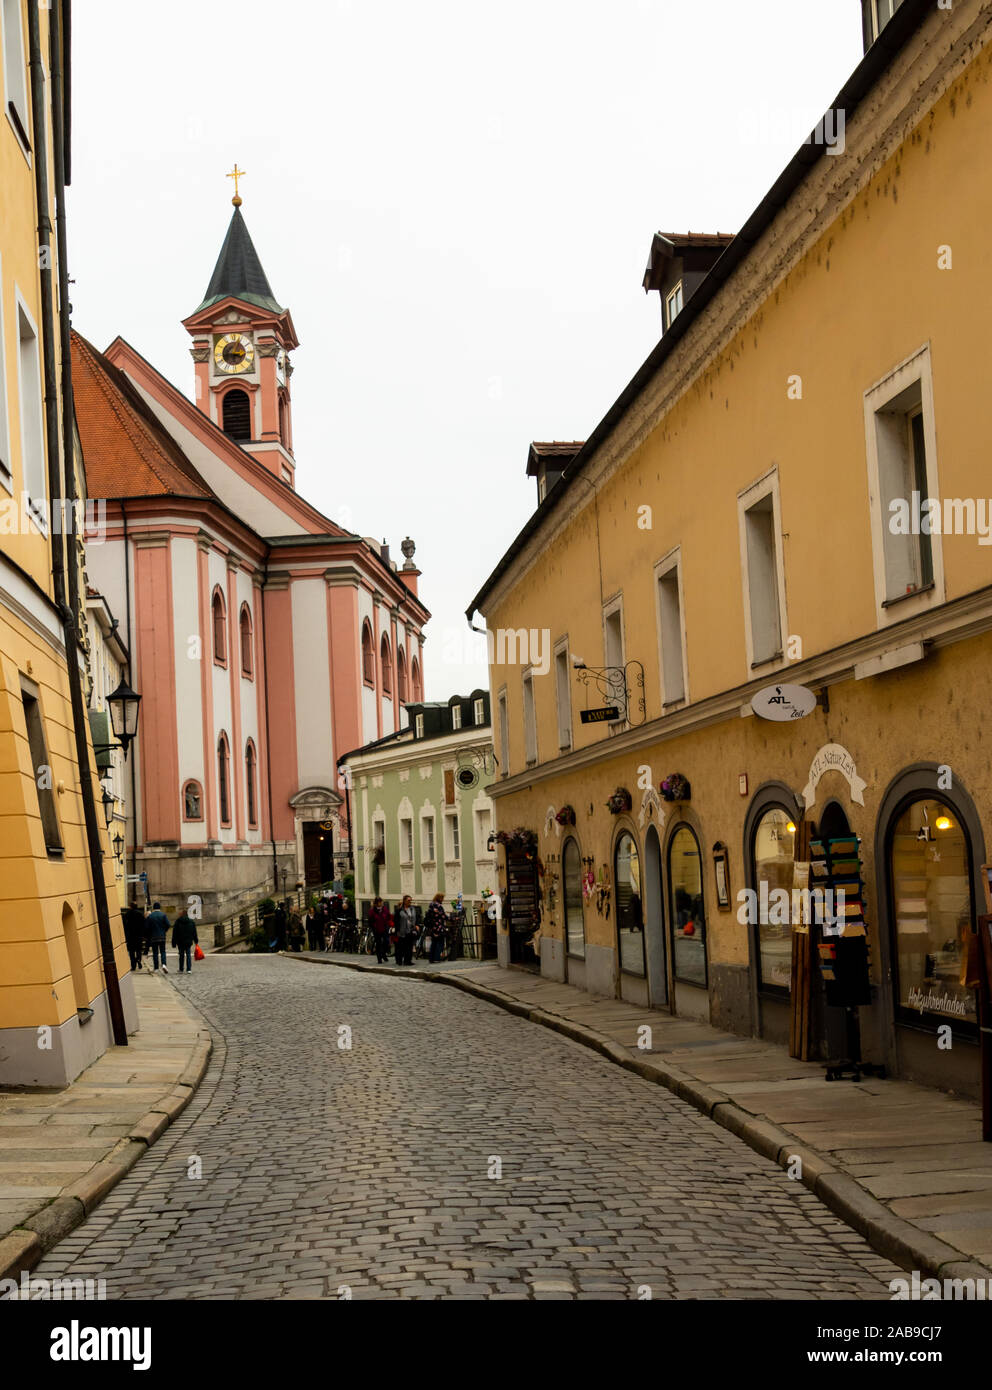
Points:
(236, 174)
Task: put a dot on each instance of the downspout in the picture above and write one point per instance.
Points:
(130, 652)
(268, 745)
(68, 611)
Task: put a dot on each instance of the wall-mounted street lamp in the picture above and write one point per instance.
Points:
(108, 806)
(118, 843)
(123, 705)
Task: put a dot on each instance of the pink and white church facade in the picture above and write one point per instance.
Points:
(264, 639)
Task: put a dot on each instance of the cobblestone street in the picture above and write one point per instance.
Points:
(327, 1170)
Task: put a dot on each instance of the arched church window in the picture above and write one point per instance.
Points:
(219, 611)
(223, 779)
(418, 690)
(250, 763)
(192, 801)
(282, 421)
(401, 689)
(387, 667)
(246, 654)
(368, 654)
(236, 410)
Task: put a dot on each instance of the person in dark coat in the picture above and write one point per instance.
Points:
(157, 927)
(134, 934)
(436, 926)
(406, 931)
(379, 921)
(184, 938)
(281, 925)
(311, 923)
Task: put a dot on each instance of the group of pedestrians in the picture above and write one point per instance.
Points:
(315, 927)
(400, 929)
(150, 935)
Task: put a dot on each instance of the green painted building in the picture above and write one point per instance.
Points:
(421, 814)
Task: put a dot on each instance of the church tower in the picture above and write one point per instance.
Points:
(242, 338)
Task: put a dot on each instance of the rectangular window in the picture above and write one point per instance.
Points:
(671, 634)
(453, 845)
(456, 716)
(563, 695)
(613, 659)
(480, 712)
(41, 770)
(428, 839)
(406, 840)
(762, 573)
(419, 726)
(674, 303)
(902, 484)
(504, 737)
(15, 84)
(483, 829)
(32, 414)
(530, 720)
(883, 12)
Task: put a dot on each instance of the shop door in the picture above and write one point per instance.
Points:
(524, 907)
(654, 922)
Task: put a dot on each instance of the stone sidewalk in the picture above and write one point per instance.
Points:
(62, 1151)
(903, 1164)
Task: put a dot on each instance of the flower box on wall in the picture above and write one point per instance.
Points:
(619, 802)
(566, 816)
(675, 787)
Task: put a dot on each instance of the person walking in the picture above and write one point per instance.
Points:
(311, 926)
(436, 926)
(406, 930)
(295, 930)
(134, 934)
(157, 926)
(380, 924)
(184, 938)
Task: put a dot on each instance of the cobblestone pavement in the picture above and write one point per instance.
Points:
(329, 1173)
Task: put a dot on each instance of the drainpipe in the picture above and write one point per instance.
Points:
(130, 650)
(268, 746)
(68, 611)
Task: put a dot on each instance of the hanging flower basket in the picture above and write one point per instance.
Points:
(377, 854)
(566, 816)
(518, 841)
(619, 802)
(675, 787)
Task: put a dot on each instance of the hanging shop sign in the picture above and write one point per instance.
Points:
(783, 702)
(600, 716)
(833, 758)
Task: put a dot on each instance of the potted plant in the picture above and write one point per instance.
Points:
(676, 787)
(377, 854)
(518, 841)
(619, 802)
(566, 816)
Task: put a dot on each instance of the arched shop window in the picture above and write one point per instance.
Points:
(773, 843)
(575, 927)
(629, 905)
(930, 874)
(687, 912)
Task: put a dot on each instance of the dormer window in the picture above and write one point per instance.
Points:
(456, 716)
(673, 304)
(877, 14)
(480, 712)
(418, 726)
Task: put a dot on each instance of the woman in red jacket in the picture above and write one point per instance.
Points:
(380, 923)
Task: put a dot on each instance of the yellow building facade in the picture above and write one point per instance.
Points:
(54, 1016)
(743, 518)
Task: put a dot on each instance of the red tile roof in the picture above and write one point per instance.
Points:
(127, 452)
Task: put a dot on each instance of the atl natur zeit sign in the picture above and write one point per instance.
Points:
(783, 702)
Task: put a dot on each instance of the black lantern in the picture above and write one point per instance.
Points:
(108, 806)
(491, 843)
(118, 845)
(123, 704)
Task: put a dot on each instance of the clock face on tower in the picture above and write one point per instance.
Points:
(235, 352)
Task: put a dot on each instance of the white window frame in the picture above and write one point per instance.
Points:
(766, 485)
(483, 829)
(12, 90)
(428, 838)
(39, 507)
(877, 25)
(914, 371)
(662, 571)
(611, 608)
(456, 716)
(669, 316)
(530, 717)
(452, 838)
(418, 726)
(406, 839)
(563, 706)
(503, 709)
(479, 712)
(6, 461)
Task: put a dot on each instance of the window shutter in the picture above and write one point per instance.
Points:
(449, 787)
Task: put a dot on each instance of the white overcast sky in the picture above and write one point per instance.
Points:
(455, 200)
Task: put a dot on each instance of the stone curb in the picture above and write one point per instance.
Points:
(24, 1246)
(898, 1240)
